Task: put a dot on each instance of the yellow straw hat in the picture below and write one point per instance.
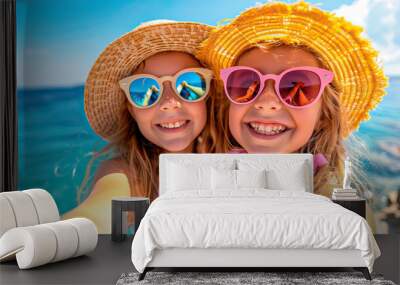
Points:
(357, 76)
(103, 98)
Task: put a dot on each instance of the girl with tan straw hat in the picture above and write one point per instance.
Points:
(293, 78)
(146, 94)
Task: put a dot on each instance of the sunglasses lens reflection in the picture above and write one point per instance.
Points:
(299, 87)
(191, 86)
(144, 91)
(243, 85)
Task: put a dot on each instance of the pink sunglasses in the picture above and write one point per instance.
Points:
(298, 87)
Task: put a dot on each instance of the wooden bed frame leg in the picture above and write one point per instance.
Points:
(364, 271)
(143, 274)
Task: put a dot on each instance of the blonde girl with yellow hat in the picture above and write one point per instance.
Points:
(293, 78)
(146, 94)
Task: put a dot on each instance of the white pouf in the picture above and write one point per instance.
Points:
(31, 232)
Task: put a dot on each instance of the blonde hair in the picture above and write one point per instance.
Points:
(327, 137)
(142, 156)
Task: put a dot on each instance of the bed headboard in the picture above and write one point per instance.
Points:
(282, 164)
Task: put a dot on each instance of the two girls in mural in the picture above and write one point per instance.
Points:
(286, 78)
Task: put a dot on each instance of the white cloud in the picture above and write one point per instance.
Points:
(380, 21)
(356, 12)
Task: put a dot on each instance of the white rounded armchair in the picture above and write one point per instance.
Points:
(31, 230)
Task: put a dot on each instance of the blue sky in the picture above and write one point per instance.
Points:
(59, 40)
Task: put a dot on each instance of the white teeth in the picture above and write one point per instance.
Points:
(267, 129)
(175, 125)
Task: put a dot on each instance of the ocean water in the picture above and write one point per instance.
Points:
(56, 143)
(381, 135)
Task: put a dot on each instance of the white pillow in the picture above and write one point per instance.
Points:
(183, 177)
(251, 178)
(279, 180)
(223, 179)
(282, 174)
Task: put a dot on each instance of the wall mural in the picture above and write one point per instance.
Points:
(104, 89)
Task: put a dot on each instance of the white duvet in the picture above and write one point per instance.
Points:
(252, 218)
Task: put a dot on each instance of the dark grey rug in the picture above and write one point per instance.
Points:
(231, 278)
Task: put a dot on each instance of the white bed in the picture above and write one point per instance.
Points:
(247, 210)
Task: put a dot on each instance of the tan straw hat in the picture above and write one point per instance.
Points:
(103, 97)
(357, 75)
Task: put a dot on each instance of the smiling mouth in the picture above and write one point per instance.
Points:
(173, 125)
(267, 129)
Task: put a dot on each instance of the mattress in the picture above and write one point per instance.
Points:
(250, 219)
